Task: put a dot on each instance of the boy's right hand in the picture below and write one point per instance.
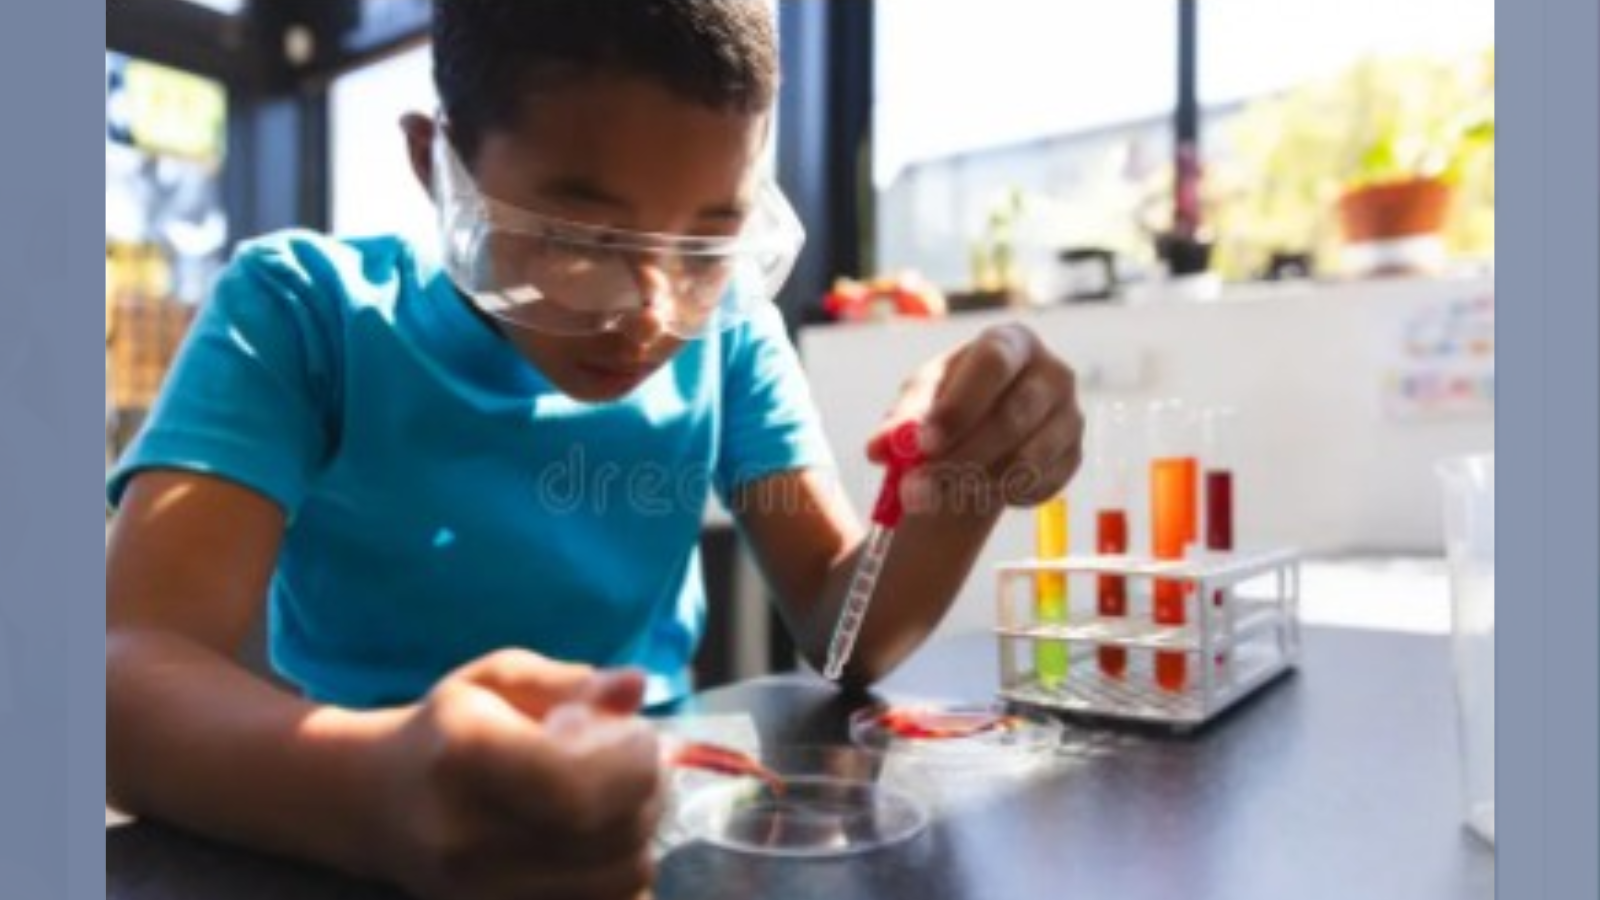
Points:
(519, 776)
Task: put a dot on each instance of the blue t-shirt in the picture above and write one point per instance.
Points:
(443, 498)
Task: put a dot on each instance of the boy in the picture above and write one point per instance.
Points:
(380, 447)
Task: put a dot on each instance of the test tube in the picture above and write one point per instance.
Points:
(1174, 521)
(1111, 455)
(1050, 590)
(1218, 425)
(1217, 452)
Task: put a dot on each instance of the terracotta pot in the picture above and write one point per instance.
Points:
(1394, 209)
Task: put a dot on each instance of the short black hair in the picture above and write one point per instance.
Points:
(488, 55)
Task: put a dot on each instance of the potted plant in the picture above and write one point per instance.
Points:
(1390, 151)
(1419, 133)
(993, 260)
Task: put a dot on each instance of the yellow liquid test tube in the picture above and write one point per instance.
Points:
(1050, 590)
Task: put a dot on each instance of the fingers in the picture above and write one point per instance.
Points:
(1043, 465)
(563, 808)
(621, 840)
(974, 382)
(1034, 421)
(531, 683)
(915, 399)
(619, 692)
(586, 766)
(583, 771)
(1000, 425)
(542, 780)
(615, 845)
(534, 684)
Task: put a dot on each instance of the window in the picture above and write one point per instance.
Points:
(1063, 106)
(373, 188)
(1253, 48)
(1303, 99)
(1039, 126)
(166, 229)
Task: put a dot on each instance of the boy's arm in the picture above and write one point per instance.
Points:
(1005, 429)
(505, 778)
(191, 736)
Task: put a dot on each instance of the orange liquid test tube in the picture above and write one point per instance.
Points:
(1174, 525)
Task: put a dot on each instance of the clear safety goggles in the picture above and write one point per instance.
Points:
(562, 277)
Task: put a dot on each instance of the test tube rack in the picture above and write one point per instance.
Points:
(1247, 637)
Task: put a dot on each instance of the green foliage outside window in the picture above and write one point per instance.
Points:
(1291, 156)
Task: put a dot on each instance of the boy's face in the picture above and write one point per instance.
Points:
(622, 152)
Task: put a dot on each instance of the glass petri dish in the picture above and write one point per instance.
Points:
(831, 804)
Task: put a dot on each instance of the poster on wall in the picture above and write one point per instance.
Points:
(1441, 360)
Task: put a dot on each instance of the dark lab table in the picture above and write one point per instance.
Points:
(1338, 782)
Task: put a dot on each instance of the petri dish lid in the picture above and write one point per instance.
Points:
(831, 804)
(988, 732)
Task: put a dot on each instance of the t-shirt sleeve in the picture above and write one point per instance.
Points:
(251, 393)
(770, 423)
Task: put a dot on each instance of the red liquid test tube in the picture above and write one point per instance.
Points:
(1217, 434)
(1112, 460)
(1111, 536)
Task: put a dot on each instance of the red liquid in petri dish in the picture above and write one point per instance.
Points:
(932, 724)
(724, 761)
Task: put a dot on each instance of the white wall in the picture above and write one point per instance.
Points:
(1321, 464)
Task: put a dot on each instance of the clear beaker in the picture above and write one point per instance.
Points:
(1468, 484)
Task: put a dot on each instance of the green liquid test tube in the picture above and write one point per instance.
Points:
(1050, 591)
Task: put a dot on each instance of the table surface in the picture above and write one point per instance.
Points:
(1336, 782)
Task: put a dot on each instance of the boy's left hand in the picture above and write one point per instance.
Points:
(1000, 422)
